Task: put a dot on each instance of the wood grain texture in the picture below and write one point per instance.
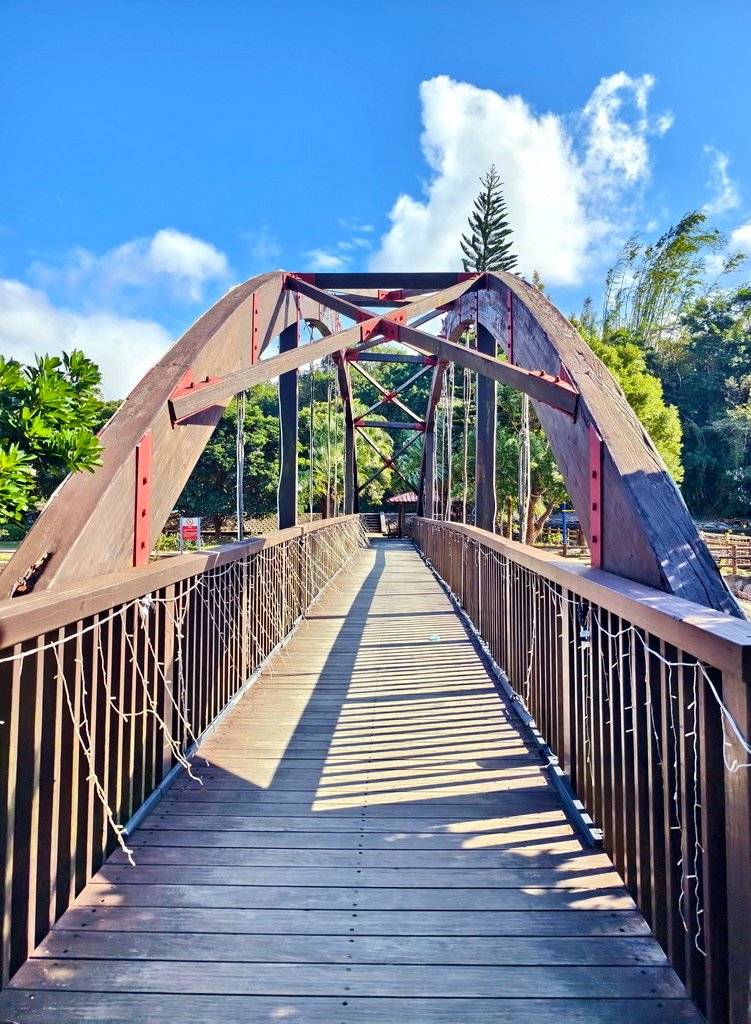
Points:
(87, 527)
(374, 841)
(648, 533)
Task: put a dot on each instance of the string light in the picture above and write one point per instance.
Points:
(685, 759)
(325, 554)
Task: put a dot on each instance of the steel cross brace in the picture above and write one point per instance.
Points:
(538, 385)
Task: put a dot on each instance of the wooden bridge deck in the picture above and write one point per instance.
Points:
(374, 841)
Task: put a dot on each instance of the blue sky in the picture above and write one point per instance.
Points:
(155, 153)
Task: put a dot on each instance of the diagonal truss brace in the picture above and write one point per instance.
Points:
(391, 396)
(393, 327)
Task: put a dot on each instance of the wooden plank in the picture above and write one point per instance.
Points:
(455, 923)
(360, 949)
(364, 877)
(403, 980)
(67, 1008)
(292, 897)
(478, 861)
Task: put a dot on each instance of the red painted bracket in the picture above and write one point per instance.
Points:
(369, 328)
(188, 386)
(142, 521)
(595, 497)
(565, 375)
(307, 278)
(398, 316)
(509, 325)
(429, 361)
(385, 295)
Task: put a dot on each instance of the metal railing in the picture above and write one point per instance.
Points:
(106, 688)
(646, 701)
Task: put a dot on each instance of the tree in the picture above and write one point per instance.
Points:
(326, 462)
(211, 491)
(49, 412)
(488, 245)
(649, 287)
(707, 374)
(627, 361)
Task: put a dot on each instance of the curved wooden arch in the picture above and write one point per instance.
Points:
(646, 533)
(640, 527)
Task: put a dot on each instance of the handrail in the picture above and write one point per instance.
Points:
(25, 617)
(106, 687)
(722, 640)
(645, 699)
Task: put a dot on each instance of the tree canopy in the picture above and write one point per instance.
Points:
(49, 412)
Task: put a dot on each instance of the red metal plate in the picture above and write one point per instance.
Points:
(595, 498)
(142, 524)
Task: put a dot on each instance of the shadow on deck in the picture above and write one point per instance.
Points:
(374, 840)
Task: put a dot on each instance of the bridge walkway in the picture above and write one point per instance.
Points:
(374, 840)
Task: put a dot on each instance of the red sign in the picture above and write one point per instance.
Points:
(189, 528)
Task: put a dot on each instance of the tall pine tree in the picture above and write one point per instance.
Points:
(488, 245)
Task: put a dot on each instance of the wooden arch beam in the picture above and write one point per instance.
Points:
(641, 524)
(88, 527)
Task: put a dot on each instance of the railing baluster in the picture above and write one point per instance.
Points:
(638, 729)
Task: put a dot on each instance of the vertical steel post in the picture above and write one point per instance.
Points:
(485, 439)
(288, 421)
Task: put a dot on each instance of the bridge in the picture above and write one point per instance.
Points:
(318, 776)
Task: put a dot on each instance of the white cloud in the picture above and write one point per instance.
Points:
(123, 348)
(726, 192)
(568, 182)
(354, 225)
(264, 248)
(322, 259)
(172, 258)
(740, 239)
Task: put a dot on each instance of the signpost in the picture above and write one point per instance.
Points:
(190, 530)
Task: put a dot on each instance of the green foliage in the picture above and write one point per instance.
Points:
(328, 457)
(211, 491)
(48, 414)
(643, 390)
(488, 245)
(707, 373)
(649, 287)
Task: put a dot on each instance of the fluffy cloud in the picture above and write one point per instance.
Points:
(740, 239)
(170, 258)
(339, 256)
(726, 196)
(568, 182)
(322, 259)
(124, 348)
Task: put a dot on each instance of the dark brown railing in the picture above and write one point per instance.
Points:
(106, 687)
(646, 701)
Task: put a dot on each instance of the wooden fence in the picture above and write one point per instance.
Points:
(730, 551)
(646, 700)
(104, 688)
